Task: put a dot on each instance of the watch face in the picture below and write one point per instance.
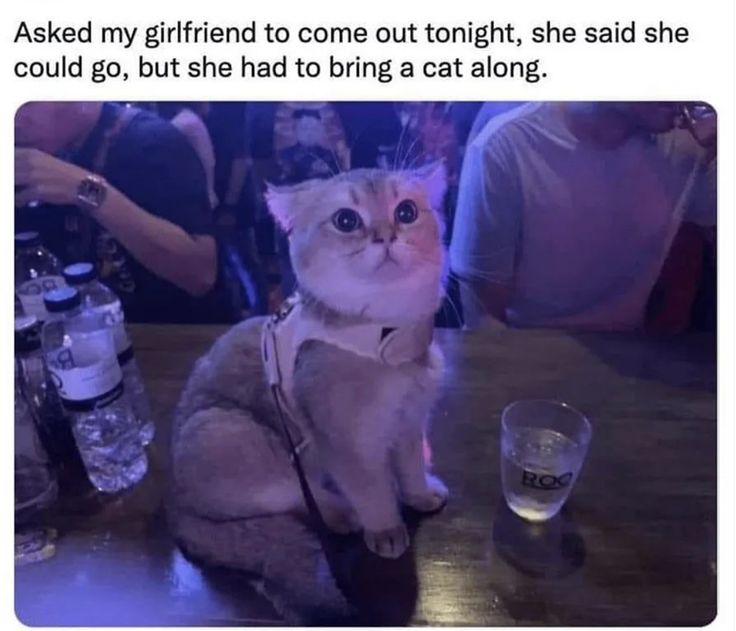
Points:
(91, 192)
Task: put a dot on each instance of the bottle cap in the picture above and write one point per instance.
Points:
(79, 273)
(61, 299)
(27, 239)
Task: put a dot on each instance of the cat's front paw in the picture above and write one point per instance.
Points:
(391, 543)
(431, 500)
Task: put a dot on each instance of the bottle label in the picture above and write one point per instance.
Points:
(32, 291)
(89, 385)
(113, 317)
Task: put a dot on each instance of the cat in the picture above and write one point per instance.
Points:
(366, 247)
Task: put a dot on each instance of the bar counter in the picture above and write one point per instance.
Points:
(634, 545)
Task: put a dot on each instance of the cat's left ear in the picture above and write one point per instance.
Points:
(278, 199)
(434, 180)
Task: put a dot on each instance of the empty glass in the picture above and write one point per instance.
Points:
(543, 445)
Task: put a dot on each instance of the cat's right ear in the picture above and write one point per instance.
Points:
(279, 204)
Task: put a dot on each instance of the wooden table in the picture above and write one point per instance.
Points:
(635, 545)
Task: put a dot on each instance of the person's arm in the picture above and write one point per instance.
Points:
(167, 250)
(187, 261)
(702, 203)
(486, 231)
(195, 131)
(236, 180)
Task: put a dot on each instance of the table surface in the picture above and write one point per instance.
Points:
(634, 545)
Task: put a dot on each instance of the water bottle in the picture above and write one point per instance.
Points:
(35, 482)
(101, 300)
(37, 271)
(44, 404)
(81, 357)
(36, 487)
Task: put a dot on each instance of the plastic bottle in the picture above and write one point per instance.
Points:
(37, 271)
(45, 406)
(81, 357)
(101, 300)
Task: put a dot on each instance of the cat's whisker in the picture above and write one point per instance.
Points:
(420, 156)
(335, 157)
(470, 292)
(501, 279)
(491, 256)
(452, 304)
(355, 253)
(408, 153)
(473, 272)
(397, 151)
(351, 146)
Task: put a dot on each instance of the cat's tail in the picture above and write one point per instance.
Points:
(281, 551)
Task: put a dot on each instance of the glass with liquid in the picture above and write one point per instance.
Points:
(543, 445)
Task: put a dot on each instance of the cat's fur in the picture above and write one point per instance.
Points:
(235, 499)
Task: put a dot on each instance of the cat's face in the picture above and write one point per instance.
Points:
(368, 242)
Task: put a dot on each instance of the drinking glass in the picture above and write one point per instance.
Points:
(543, 445)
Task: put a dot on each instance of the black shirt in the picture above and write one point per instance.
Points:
(370, 127)
(226, 126)
(153, 165)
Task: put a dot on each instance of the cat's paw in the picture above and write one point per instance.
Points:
(432, 500)
(391, 543)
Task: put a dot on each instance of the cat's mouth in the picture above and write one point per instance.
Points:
(387, 260)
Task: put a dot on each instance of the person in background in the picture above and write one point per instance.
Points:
(487, 111)
(236, 215)
(290, 142)
(188, 118)
(225, 121)
(463, 114)
(567, 212)
(123, 188)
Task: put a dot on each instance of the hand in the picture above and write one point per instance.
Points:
(703, 128)
(40, 177)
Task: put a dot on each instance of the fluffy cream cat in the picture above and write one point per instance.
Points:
(367, 251)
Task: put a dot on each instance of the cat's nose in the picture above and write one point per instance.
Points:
(384, 235)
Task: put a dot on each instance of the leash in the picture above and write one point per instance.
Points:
(316, 516)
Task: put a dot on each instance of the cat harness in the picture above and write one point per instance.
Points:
(293, 325)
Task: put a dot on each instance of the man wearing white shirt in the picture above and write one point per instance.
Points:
(566, 212)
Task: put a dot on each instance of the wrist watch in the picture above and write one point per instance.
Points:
(91, 192)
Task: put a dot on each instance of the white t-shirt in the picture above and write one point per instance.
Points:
(580, 232)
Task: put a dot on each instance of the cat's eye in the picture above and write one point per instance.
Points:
(347, 220)
(406, 212)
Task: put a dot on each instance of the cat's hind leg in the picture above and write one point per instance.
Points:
(235, 503)
(226, 466)
(280, 550)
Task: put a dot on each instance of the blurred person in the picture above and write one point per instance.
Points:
(487, 111)
(463, 115)
(123, 188)
(189, 119)
(290, 142)
(309, 143)
(236, 215)
(225, 121)
(567, 212)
